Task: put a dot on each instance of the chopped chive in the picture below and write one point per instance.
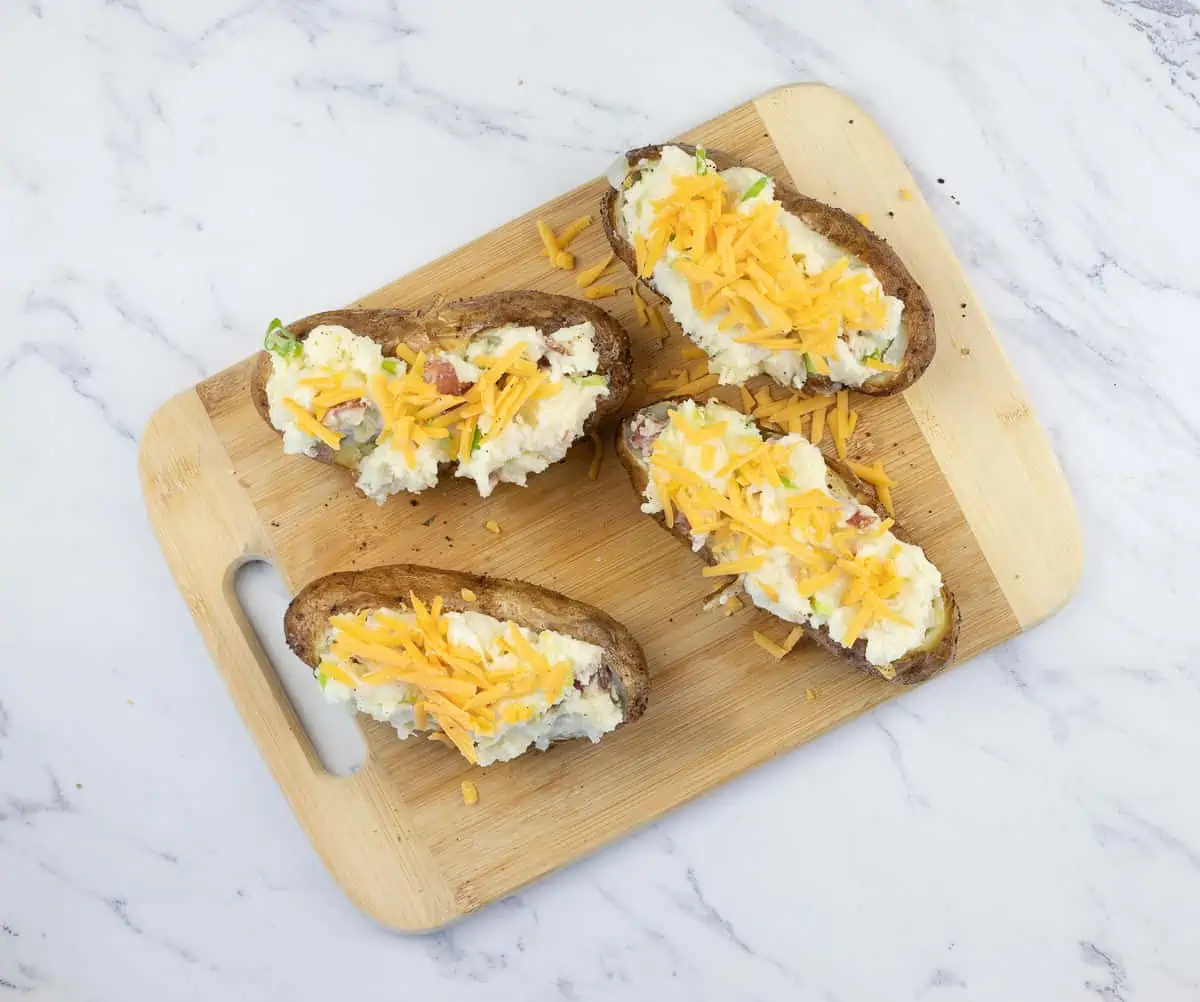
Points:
(754, 189)
(281, 341)
(701, 160)
(476, 440)
(787, 482)
(391, 365)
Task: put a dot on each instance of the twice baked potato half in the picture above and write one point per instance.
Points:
(491, 666)
(499, 386)
(797, 532)
(765, 280)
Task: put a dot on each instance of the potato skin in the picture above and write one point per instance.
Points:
(426, 329)
(307, 617)
(846, 232)
(917, 666)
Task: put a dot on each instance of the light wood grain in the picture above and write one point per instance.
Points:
(974, 469)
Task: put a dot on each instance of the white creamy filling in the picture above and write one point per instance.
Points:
(534, 442)
(586, 710)
(733, 362)
(917, 600)
(537, 438)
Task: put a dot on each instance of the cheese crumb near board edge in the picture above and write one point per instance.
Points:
(470, 793)
(492, 526)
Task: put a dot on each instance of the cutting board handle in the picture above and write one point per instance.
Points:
(209, 530)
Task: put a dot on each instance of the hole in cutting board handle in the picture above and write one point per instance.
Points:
(332, 731)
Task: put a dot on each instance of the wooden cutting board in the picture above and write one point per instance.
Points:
(979, 488)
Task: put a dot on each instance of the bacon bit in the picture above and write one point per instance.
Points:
(441, 373)
(860, 519)
(337, 410)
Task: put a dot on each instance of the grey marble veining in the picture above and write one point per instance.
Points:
(173, 175)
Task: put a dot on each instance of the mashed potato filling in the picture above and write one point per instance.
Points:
(505, 404)
(799, 550)
(490, 687)
(751, 283)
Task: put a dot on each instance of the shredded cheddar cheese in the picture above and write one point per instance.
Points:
(558, 257)
(549, 244)
(310, 425)
(817, 534)
(470, 793)
(841, 423)
(413, 411)
(738, 267)
(467, 595)
(492, 526)
(569, 232)
(589, 275)
(656, 320)
(458, 688)
(873, 475)
(769, 645)
(600, 291)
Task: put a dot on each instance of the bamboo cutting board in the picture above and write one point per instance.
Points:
(979, 489)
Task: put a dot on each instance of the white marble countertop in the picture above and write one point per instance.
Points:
(172, 174)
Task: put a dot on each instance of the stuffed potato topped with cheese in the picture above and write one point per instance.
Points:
(491, 667)
(499, 386)
(796, 532)
(765, 280)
